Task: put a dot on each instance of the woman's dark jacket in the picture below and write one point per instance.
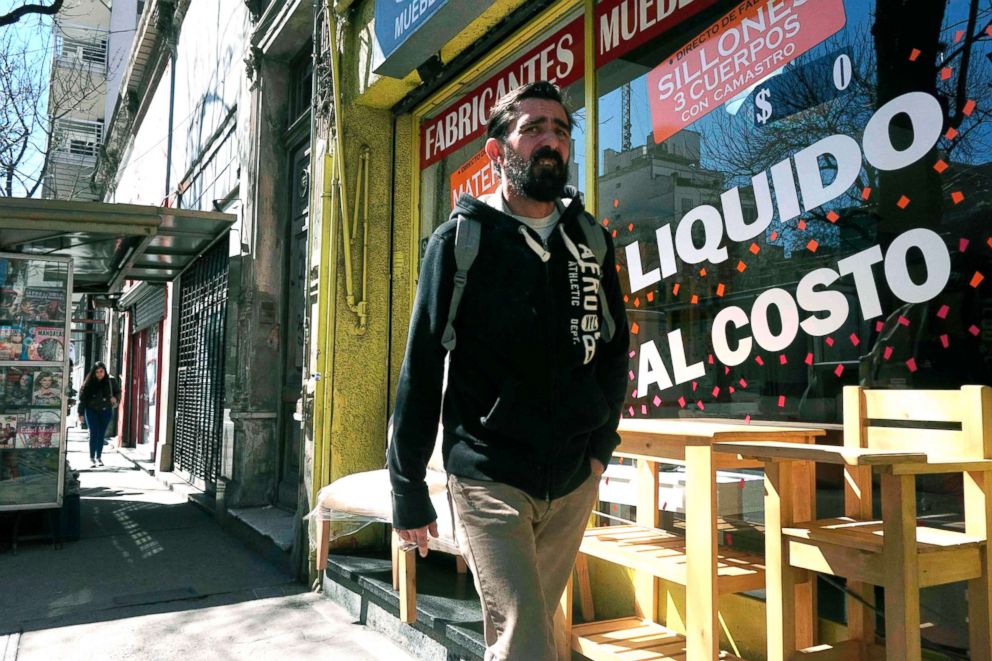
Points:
(525, 404)
(96, 393)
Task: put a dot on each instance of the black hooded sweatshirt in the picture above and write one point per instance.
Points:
(533, 392)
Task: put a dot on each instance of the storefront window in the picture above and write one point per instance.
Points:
(452, 139)
(796, 194)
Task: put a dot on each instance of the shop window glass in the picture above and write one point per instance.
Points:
(452, 139)
(796, 191)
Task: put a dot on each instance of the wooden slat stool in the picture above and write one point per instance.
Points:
(894, 552)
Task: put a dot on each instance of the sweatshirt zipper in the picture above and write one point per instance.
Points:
(551, 356)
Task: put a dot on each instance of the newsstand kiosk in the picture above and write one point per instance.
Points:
(35, 308)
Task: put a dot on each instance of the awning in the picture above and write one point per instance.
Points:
(110, 243)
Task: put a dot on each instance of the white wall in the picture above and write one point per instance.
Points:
(123, 23)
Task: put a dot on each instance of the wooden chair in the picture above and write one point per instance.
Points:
(894, 552)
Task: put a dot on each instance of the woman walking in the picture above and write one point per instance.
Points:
(97, 399)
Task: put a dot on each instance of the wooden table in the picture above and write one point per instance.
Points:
(695, 561)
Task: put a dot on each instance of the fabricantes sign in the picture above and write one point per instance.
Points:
(735, 52)
(815, 308)
(400, 29)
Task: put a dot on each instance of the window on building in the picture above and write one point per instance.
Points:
(78, 137)
(87, 50)
(841, 237)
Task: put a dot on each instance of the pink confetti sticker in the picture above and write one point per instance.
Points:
(644, 409)
(946, 341)
(747, 419)
(630, 374)
(694, 386)
(887, 353)
(731, 390)
(911, 364)
(974, 330)
(809, 358)
(716, 391)
(742, 382)
(879, 326)
(630, 410)
(829, 340)
(656, 401)
(631, 354)
(942, 312)
(781, 401)
(699, 403)
(726, 370)
(682, 402)
(634, 394)
(782, 360)
(759, 360)
(963, 244)
(839, 371)
(855, 340)
(709, 359)
(903, 321)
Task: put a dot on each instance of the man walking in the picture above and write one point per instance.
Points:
(536, 336)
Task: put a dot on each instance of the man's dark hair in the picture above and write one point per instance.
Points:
(506, 110)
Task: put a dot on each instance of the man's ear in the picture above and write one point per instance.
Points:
(494, 150)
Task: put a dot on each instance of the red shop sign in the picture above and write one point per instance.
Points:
(558, 59)
(735, 52)
(623, 25)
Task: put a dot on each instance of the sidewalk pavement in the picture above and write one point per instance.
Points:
(154, 577)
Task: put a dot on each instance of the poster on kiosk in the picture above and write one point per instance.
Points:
(34, 328)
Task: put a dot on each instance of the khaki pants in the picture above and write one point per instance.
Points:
(521, 551)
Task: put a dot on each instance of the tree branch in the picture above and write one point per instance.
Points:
(34, 8)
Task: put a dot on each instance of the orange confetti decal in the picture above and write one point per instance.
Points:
(637, 302)
(988, 29)
(957, 197)
(969, 107)
(626, 299)
(720, 289)
(944, 340)
(694, 300)
(675, 289)
(702, 273)
(903, 202)
(812, 245)
(618, 268)
(801, 224)
(958, 36)
(887, 353)
(976, 279)
(865, 193)
(614, 234)
(630, 227)
(951, 133)
(832, 216)
(774, 235)
(634, 328)
(606, 222)
(759, 360)
(781, 401)
(616, 203)
(946, 72)
(839, 370)
(650, 297)
(809, 358)
(940, 166)
(989, 242)
(754, 248)
(782, 360)
(913, 54)
(942, 312)
(741, 266)
(911, 364)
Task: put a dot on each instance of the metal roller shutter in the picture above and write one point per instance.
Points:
(149, 310)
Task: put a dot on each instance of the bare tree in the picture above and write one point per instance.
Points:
(38, 108)
(38, 8)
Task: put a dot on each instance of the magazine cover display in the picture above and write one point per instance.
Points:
(34, 309)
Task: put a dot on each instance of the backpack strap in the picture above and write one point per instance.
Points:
(597, 244)
(467, 234)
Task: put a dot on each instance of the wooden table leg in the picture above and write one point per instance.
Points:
(804, 509)
(702, 603)
(780, 589)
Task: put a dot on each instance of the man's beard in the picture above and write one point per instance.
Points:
(533, 180)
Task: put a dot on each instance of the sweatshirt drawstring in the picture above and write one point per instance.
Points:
(534, 245)
(572, 248)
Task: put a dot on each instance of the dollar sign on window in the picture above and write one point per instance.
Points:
(764, 108)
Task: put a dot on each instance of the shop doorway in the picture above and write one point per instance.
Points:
(293, 348)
